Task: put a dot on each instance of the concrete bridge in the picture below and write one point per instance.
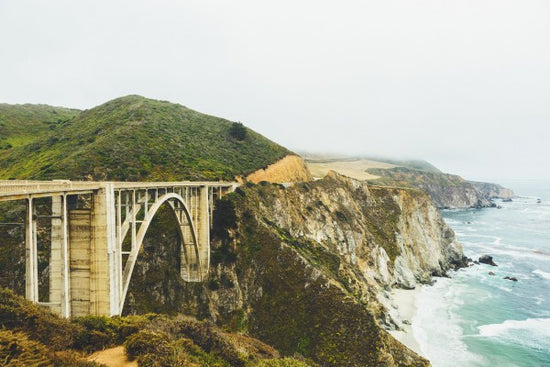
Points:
(97, 230)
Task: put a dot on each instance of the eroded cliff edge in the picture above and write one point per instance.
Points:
(307, 268)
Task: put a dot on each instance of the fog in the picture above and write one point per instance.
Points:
(462, 84)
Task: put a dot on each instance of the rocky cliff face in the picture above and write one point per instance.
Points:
(491, 190)
(308, 268)
(447, 191)
(291, 168)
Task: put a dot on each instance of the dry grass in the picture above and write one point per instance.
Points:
(356, 169)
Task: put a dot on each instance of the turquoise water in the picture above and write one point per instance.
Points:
(477, 319)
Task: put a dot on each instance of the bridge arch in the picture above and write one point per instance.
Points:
(191, 254)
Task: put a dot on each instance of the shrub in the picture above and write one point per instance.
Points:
(237, 131)
(18, 351)
(18, 314)
(283, 362)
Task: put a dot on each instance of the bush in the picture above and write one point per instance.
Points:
(205, 336)
(154, 349)
(18, 351)
(99, 332)
(283, 362)
(238, 131)
(16, 313)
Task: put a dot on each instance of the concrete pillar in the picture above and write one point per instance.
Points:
(31, 257)
(203, 234)
(103, 258)
(188, 256)
(79, 253)
(56, 255)
(65, 293)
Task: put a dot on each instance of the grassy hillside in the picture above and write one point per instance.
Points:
(21, 124)
(31, 336)
(418, 165)
(135, 138)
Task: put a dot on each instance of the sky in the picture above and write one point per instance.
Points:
(464, 84)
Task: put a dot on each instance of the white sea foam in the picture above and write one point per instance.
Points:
(534, 333)
(541, 273)
(436, 325)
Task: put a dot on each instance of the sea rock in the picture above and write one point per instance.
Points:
(491, 273)
(507, 200)
(513, 279)
(462, 262)
(486, 259)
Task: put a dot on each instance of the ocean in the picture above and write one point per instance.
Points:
(478, 319)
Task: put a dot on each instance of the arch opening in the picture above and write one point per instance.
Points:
(190, 261)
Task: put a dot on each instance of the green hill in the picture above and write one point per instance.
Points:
(418, 165)
(135, 138)
(21, 124)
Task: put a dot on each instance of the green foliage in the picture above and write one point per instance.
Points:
(283, 362)
(238, 131)
(16, 313)
(134, 138)
(18, 351)
(23, 124)
(100, 332)
(207, 338)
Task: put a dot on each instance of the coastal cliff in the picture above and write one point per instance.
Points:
(308, 268)
(491, 190)
(447, 191)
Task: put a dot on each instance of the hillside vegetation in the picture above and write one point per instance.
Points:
(130, 138)
(30, 336)
(21, 124)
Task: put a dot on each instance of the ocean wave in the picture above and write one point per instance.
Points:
(436, 326)
(541, 273)
(533, 333)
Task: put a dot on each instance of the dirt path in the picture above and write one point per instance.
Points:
(113, 357)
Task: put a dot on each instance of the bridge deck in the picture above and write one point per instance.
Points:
(21, 189)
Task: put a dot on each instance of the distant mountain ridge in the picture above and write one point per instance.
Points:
(129, 138)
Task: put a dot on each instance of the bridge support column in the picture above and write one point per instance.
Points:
(94, 284)
(31, 256)
(104, 298)
(56, 255)
(204, 232)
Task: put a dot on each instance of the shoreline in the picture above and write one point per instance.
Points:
(405, 308)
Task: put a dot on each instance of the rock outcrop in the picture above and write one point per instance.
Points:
(447, 191)
(291, 168)
(486, 259)
(492, 191)
(308, 268)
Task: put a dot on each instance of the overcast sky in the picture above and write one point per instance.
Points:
(463, 84)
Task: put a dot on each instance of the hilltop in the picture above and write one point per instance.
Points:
(129, 138)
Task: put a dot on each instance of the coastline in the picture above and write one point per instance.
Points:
(405, 304)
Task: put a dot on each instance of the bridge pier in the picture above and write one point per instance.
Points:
(31, 254)
(89, 271)
(56, 255)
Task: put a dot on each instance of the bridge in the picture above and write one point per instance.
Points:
(97, 230)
